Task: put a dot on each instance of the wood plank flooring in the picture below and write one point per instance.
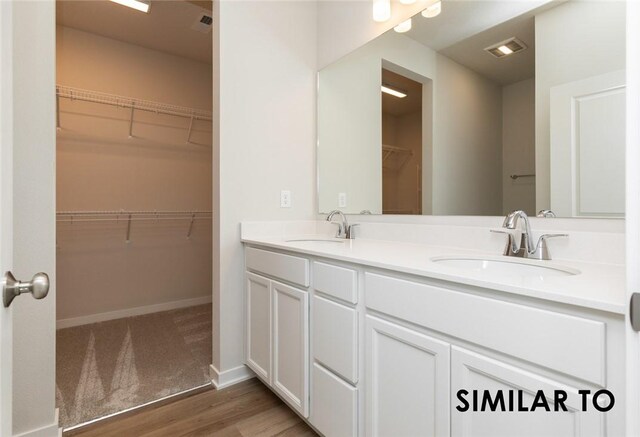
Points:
(248, 409)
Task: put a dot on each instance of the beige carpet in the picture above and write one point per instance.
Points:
(110, 366)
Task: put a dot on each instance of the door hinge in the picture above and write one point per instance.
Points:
(634, 311)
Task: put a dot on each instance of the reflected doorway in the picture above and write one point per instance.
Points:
(402, 138)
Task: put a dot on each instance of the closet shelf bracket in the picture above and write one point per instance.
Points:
(193, 218)
(131, 121)
(189, 133)
(128, 239)
(57, 111)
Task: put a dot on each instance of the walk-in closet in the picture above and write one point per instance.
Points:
(134, 204)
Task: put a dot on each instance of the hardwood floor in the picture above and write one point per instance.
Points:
(248, 409)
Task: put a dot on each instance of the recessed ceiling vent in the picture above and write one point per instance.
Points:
(506, 47)
(203, 23)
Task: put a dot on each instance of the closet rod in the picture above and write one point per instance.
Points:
(132, 216)
(125, 218)
(127, 212)
(72, 93)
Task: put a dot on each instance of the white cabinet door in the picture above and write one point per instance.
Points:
(258, 335)
(335, 337)
(334, 404)
(291, 345)
(471, 371)
(407, 377)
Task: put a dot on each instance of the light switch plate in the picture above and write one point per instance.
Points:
(285, 199)
(342, 200)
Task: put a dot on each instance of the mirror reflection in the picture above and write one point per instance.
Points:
(522, 107)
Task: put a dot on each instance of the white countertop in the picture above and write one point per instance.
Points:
(598, 286)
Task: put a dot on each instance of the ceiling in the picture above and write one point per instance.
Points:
(400, 106)
(504, 71)
(461, 19)
(167, 26)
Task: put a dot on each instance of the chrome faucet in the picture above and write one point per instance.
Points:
(526, 248)
(546, 213)
(345, 230)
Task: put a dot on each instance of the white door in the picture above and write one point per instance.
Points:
(471, 371)
(6, 212)
(407, 376)
(27, 214)
(633, 214)
(587, 133)
(258, 319)
(291, 345)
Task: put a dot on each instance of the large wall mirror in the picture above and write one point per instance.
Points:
(488, 107)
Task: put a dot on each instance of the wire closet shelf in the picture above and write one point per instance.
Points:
(133, 104)
(131, 216)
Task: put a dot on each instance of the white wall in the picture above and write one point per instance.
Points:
(465, 159)
(349, 132)
(265, 89)
(100, 169)
(467, 147)
(575, 40)
(518, 146)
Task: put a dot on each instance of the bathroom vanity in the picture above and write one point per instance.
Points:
(404, 330)
(376, 338)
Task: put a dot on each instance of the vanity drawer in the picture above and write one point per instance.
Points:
(335, 337)
(334, 404)
(565, 343)
(286, 267)
(338, 282)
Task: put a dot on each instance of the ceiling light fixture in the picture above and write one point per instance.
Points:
(138, 5)
(433, 10)
(393, 91)
(506, 47)
(506, 50)
(381, 10)
(407, 2)
(403, 27)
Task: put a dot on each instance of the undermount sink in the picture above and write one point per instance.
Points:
(316, 240)
(506, 267)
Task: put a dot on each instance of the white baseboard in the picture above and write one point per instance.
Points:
(229, 377)
(51, 430)
(129, 312)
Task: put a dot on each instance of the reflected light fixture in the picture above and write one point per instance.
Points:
(138, 5)
(381, 10)
(433, 10)
(385, 88)
(403, 27)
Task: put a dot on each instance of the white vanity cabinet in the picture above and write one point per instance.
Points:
(363, 351)
(277, 325)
